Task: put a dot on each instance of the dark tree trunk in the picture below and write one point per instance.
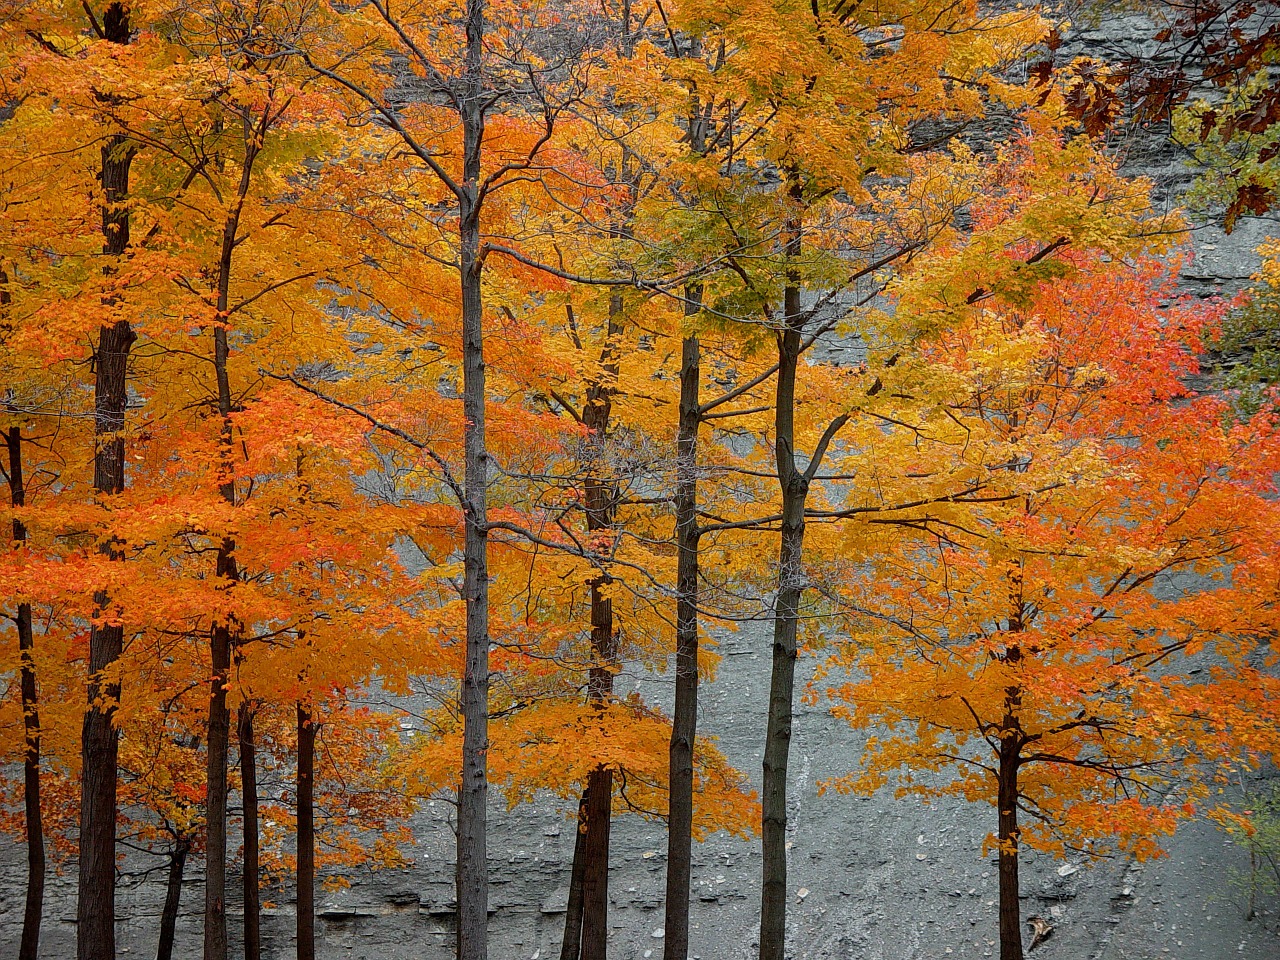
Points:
(219, 732)
(249, 795)
(684, 722)
(34, 821)
(595, 875)
(601, 497)
(306, 836)
(473, 880)
(221, 638)
(571, 944)
(172, 898)
(684, 719)
(794, 487)
(95, 907)
(1012, 740)
(30, 946)
(1010, 919)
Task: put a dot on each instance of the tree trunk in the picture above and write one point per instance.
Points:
(95, 907)
(684, 721)
(1010, 919)
(172, 898)
(595, 876)
(1011, 744)
(473, 881)
(221, 639)
(571, 944)
(34, 821)
(794, 487)
(601, 497)
(219, 732)
(306, 836)
(249, 796)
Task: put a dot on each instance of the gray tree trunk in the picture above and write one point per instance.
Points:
(794, 486)
(473, 880)
(684, 721)
(172, 898)
(571, 943)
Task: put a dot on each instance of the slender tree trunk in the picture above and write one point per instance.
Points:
(34, 821)
(571, 944)
(219, 736)
(249, 795)
(791, 583)
(684, 722)
(221, 638)
(95, 908)
(1011, 744)
(172, 898)
(473, 880)
(1010, 919)
(219, 731)
(306, 836)
(684, 719)
(601, 495)
(30, 945)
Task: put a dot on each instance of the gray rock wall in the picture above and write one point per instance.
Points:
(871, 879)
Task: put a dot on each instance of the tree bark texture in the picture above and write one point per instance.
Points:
(29, 947)
(1011, 743)
(306, 836)
(218, 733)
(473, 882)
(172, 898)
(1007, 795)
(684, 722)
(684, 719)
(571, 943)
(221, 637)
(794, 486)
(249, 798)
(95, 907)
(595, 875)
(595, 811)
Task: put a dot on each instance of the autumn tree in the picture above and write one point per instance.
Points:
(1077, 647)
(249, 102)
(483, 67)
(791, 204)
(171, 109)
(30, 468)
(84, 56)
(95, 911)
(38, 642)
(358, 814)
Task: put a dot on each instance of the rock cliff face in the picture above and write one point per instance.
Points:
(872, 879)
